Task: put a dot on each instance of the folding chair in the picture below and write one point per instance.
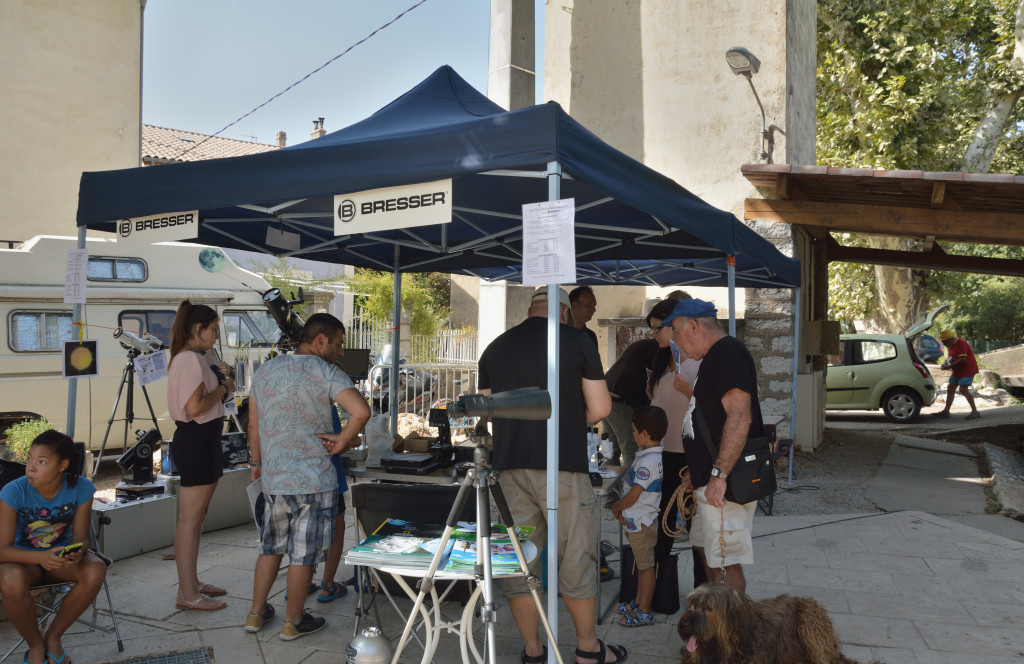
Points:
(10, 471)
(375, 502)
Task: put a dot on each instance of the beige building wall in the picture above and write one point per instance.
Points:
(71, 102)
(650, 78)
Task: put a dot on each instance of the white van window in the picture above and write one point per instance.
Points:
(102, 268)
(250, 328)
(157, 323)
(35, 331)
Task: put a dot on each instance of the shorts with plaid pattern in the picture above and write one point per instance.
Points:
(301, 525)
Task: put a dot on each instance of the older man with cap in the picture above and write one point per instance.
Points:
(724, 411)
(962, 363)
(518, 358)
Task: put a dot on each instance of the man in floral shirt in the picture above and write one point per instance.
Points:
(289, 423)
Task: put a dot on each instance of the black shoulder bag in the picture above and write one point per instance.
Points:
(753, 476)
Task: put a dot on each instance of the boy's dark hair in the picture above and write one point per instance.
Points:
(651, 419)
(63, 447)
(324, 324)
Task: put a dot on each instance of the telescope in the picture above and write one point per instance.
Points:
(144, 344)
(525, 403)
(285, 317)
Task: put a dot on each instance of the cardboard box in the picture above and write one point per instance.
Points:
(417, 444)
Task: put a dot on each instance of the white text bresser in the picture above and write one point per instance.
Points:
(402, 203)
(165, 222)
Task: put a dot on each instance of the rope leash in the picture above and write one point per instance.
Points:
(684, 503)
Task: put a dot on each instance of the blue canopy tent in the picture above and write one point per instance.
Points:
(497, 160)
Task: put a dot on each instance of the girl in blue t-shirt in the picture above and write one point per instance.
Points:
(40, 514)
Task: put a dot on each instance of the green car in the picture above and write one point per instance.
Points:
(881, 371)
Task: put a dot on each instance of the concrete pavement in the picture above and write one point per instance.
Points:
(902, 586)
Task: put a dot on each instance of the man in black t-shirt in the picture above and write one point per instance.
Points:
(582, 305)
(518, 358)
(725, 400)
(627, 383)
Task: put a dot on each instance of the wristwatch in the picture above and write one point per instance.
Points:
(715, 472)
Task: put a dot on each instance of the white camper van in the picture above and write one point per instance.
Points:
(137, 288)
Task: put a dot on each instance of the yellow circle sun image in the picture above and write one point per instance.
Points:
(81, 358)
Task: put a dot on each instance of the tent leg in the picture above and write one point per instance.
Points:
(396, 340)
(730, 263)
(796, 366)
(554, 350)
(76, 316)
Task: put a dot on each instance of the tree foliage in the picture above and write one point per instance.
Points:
(421, 295)
(904, 84)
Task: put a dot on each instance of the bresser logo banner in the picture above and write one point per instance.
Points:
(159, 227)
(393, 207)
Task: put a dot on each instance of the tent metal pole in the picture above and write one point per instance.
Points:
(396, 340)
(554, 350)
(730, 263)
(76, 316)
(796, 366)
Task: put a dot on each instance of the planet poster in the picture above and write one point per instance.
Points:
(212, 260)
(80, 358)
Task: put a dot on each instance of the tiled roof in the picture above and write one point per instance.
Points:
(162, 145)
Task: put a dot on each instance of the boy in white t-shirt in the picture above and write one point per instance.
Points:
(638, 509)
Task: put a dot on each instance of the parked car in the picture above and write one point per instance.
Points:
(882, 371)
(929, 349)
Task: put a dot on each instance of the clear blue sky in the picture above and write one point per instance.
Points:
(207, 62)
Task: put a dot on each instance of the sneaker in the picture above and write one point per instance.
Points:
(254, 622)
(309, 624)
(973, 416)
(941, 413)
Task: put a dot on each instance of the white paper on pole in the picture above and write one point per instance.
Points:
(549, 242)
(159, 227)
(423, 204)
(151, 367)
(75, 276)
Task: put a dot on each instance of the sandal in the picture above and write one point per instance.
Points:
(626, 608)
(194, 606)
(209, 591)
(619, 652)
(335, 591)
(637, 619)
(535, 659)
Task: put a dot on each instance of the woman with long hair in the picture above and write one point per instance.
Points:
(44, 535)
(670, 386)
(195, 399)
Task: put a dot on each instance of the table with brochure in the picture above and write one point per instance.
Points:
(402, 549)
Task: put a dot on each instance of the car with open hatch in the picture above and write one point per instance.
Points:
(884, 371)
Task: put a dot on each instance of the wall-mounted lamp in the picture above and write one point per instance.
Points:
(744, 63)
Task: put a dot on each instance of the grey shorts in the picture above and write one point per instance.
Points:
(526, 493)
(300, 525)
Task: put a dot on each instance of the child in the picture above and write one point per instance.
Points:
(40, 514)
(638, 509)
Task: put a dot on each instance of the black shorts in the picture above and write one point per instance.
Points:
(196, 451)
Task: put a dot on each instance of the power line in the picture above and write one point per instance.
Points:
(321, 67)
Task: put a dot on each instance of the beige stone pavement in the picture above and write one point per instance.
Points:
(901, 587)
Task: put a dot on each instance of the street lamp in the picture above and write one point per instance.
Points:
(744, 63)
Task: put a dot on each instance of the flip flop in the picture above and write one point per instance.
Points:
(194, 606)
(335, 591)
(63, 659)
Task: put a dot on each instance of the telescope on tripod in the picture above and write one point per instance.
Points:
(147, 343)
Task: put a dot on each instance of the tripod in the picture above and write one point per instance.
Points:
(127, 378)
(484, 480)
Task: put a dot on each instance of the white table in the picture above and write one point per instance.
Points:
(434, 623)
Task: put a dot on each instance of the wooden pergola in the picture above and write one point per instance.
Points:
(934, 207)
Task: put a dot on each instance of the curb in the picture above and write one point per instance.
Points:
(1007, 468)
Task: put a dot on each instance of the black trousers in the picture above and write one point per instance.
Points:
(671, 464)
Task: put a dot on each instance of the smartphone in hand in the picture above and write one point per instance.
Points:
(69, 549)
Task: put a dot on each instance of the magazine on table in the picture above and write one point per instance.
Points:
(503, 555)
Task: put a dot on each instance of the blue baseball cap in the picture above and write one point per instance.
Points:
(691, 309)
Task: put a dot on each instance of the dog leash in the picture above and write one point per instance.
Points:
(685, 505)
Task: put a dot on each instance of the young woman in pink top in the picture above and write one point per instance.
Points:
(195, 399)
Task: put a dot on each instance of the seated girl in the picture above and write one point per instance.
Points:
(41, 514)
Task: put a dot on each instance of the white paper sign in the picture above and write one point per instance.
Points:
(151, 367)
(231, 406)
(411, 205)
(75, 276)
(549, 243)
(159, 227)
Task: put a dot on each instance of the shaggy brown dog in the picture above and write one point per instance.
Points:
(723, 626)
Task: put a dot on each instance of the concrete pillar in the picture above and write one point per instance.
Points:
(510, 78)
(319, 301)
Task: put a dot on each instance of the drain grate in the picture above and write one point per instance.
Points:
(197, 656)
